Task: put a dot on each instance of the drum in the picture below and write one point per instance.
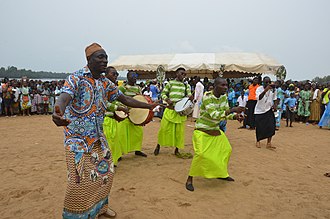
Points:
(140, 116)
(120, 116)
(184, 107)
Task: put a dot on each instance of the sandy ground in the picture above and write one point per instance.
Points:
(286, 183)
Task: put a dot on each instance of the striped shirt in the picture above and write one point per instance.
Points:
(212, 111)
(175, 91)
(130, 90)
(111, 108)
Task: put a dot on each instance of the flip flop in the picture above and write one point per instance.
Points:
(110, 213)
(227, 179)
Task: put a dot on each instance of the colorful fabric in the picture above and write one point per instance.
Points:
(25, 98)
(325, 99)
(86, 112)
(211, 156)
(212, 112)
(175, 91)
(110, 132)
(87, 197)
(325, 120)
(304, 102)
(171, 132)
(278, 118)
(316, 106)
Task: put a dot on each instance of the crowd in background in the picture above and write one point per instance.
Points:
(35, 97)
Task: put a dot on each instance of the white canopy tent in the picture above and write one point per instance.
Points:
(229, 65)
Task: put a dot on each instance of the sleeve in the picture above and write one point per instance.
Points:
(166, 90)
(258, 92)
(112, 92)
(286, 100)
(71, 85)
(111, 107)
(188, 90)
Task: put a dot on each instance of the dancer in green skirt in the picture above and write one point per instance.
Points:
(211, 146)
(130, 136)
(110, 122)
(171, 132)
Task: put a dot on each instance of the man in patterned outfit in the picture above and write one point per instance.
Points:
(171, 132)
(80, 108)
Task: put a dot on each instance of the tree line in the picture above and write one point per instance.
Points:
(13, 72)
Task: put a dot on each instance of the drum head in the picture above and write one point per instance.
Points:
(121, 114)
(181, 105)
(137, 115)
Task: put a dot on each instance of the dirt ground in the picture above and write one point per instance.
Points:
(286, 183)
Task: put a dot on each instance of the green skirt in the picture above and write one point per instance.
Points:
(129, 137)
(171, 132)
(110, 131)
(211, 156)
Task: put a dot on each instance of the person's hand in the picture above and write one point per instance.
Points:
(169, 102)
(124, 109)
(191, 97)
(269, 87)
(58, 117)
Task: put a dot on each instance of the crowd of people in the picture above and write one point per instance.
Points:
(28, 97)
(87, 103)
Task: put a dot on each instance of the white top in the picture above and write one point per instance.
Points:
(242, 101)
(199, 91)
(146, 93)
(266, 103)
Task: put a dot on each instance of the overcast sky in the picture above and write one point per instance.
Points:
(52, 35)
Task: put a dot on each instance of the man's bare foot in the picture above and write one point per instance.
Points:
(110, 213)
(258, 144)
(269, 146)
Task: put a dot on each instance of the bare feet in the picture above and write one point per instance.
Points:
(110, 213)
(258, 144)
(269, 146)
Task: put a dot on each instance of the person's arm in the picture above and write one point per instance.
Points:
(60, 105)
(69, 90)
(262, 94)
(131, 102)
(165, 94)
